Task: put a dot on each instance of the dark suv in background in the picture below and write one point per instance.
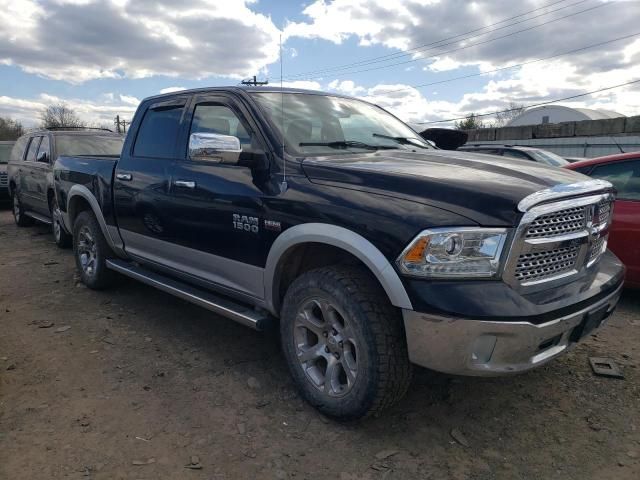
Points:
(516, 151)
(5, 151)
(30, 177)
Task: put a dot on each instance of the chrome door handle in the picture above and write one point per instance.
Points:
(125, 177)
(185, 183)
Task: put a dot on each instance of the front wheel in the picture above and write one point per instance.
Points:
(61, 237)
(20, 218)
(344, 342)
(91, 252)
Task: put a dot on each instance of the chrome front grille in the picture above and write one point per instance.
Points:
(557, 223)
(4, 179)
(604, 213)
(560, 238)
(597, 249)
(536, 265)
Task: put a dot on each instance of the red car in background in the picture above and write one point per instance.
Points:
(623, 171)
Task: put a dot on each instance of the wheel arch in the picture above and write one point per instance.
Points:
(80, 199)
(339, 239)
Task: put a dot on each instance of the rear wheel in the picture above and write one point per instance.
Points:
(344, 342)
(20, 218)
(91, 252)
(61, 237)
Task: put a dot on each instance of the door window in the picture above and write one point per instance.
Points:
(625, 176)
(33, 149)
(158, 132)
(17, 153)
(220, 119)
(44, 147)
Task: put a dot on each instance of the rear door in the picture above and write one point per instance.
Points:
(28, 172)
(41, 169)
(624, 238)
(142, 182)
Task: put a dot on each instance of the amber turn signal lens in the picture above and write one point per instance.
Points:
(416, 252)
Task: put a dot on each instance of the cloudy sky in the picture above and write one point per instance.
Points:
(102, 56)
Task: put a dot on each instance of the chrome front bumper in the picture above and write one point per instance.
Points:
(490, 348)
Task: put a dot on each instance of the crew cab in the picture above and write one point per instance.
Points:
(330, 218)
(30, 171)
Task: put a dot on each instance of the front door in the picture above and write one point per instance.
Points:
(219, 207)
(625, 229)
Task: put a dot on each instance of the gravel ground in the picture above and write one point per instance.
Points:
(135, 384)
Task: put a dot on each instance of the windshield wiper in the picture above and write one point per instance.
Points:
(402, 140)
(339, 144)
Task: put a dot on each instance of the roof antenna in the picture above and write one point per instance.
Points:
(283, 185)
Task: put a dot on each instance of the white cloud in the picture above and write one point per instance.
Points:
(348, 87)
(80, 40)
(432, 30)
(172, 89)
(103, 111)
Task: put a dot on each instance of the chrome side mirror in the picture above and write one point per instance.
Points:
(42, 157)
(214, 147)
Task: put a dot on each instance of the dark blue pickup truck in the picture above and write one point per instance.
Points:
(331, 218)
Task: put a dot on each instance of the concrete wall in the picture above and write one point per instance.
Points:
(587, 147)
(584, 128)
(587, 138)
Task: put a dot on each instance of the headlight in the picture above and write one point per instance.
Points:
(454, 252)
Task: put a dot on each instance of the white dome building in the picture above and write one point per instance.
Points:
(559, 114)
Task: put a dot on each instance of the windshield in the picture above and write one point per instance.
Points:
(548, 157)
(5, 151)
(323, 124)
(88, 145)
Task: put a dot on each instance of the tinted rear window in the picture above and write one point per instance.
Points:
(88, 145)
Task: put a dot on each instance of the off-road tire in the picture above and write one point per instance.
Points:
(99, 276)
(20, 218)
(60, 235)
(383, 368)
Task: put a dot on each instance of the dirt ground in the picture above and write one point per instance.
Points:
(133, 384)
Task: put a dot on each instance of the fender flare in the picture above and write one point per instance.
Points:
(85, 193)
(344, 239)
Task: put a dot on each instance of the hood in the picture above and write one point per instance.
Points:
(481, 187)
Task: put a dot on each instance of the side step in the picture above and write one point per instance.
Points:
(38, 217)
(220, 305)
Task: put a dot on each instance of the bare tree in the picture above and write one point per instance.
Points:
(60, 115)
(515, 109)
(470, 122)
(10, 129)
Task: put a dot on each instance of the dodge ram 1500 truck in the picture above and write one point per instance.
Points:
(328, 216)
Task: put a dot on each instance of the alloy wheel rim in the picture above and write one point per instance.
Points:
(326, 347)
(87, 251)
(57, 228)
(16, 207)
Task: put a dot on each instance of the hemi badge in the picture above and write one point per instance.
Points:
(272, 225)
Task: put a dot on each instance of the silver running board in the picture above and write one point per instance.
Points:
(220, 305)
(38, 217)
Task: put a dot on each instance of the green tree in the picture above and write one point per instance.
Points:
(470, 122)
(10, 129)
